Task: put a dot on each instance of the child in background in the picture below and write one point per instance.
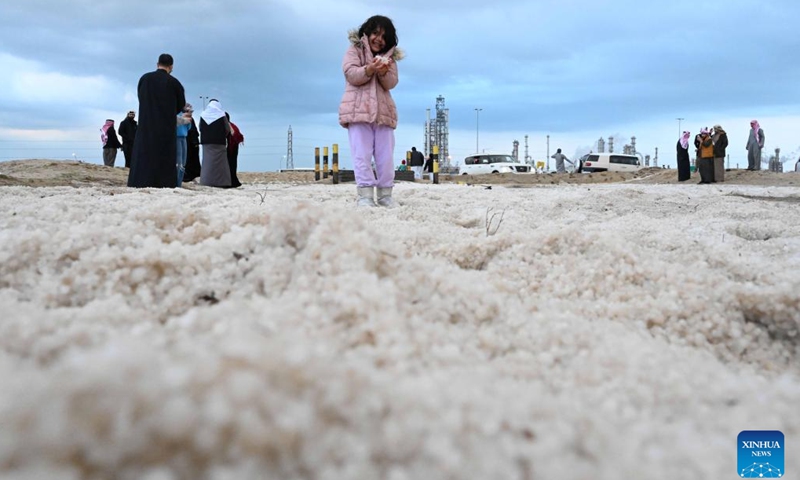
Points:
(184, 123)
(368, 111)
(402, 167)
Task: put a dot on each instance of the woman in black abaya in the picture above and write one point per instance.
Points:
(684, 172)
(192, 154)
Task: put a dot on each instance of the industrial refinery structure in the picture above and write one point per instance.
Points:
(437, 132)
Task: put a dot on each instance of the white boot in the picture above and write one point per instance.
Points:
(366, 197)
(385, 198)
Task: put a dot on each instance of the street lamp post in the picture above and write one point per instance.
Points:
(477, 128)
(204, 98)
(547, 168)
(679, 126)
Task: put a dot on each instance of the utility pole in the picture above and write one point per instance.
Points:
(428, 134)
(548, 154)
(477, 127)
(289, 154)
(527, 157)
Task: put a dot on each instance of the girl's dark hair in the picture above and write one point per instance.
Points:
(379, 22)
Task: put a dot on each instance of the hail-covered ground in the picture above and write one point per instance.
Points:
(573, 331)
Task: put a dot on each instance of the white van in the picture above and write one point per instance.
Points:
(611, 162)
(480, 163)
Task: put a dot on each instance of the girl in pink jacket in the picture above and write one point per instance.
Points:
(367, 110)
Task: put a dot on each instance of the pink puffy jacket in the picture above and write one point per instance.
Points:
(367, 99)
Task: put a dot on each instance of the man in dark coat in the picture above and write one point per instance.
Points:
(127, 130)
(416, 163)
(161, 98)
(110, 143)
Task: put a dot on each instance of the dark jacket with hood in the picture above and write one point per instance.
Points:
(417, 159)
(127, 130)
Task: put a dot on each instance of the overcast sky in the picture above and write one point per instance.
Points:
(572, 69)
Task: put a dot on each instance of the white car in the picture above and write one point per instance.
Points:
(480, 163)
(611, 162)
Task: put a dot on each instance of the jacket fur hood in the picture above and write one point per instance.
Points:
(352, 35)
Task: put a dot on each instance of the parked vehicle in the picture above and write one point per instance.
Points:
(611, 162)
(480, 163)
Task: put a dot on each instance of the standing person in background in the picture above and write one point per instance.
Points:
(684, 167)
(184, 121)
(234, 139)
(720, 139)
(755, 143)
(161, 97)
(705, 164)
(428, 167)
(560, 157)
(127, 130)
(110, 143)
(368, 111)
(579, 167)
(697, 151)
(214, 131)
(416, 163)
(192, 153)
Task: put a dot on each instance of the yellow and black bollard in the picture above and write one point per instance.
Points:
(325, 162)
(408, 160)
(436, 164)
(335, 172)
(316, 163)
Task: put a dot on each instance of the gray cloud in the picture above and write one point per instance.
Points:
(554, 65)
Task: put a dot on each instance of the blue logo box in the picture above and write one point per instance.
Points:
(761, 454)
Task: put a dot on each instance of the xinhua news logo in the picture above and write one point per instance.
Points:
(761, 454)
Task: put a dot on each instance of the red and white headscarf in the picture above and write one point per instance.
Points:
(104, 131)
(685, 139)
(756, 127)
